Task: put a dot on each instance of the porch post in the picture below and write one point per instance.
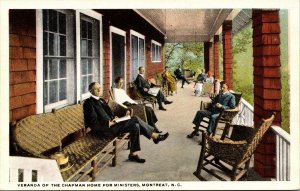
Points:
(216, 57)
(227, 52)
(207, 56)
(267, 85)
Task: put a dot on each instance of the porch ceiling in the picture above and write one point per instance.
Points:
(191, 25)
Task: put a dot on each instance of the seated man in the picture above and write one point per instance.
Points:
(179, 75)
(144, 87)
(224, 100)
(202, 76)
(99, 117)
(123, 99)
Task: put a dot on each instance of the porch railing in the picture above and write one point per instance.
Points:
(245, 117)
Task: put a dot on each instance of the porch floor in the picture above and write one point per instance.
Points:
(174, 159)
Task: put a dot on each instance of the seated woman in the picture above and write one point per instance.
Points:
(170, 79)
(122, 98)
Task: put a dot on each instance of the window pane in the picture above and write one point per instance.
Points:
(53, 69)
(53, 87)
(62, 90)
(153, 52)
(62, 23)
(90, 48)
(84, 84)
(62, 45)
(141, 52)
(90, 31)
(90, 66)
(83, 29)
(90, 80)
(46, 70)
(45, 20)
(62, 69)
(158, 53)
(45, 93)
(53, 44)
(83, 47)
(83, 66)
(45, 43)
(52, 21)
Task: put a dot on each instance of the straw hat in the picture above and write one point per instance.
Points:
(62, 161)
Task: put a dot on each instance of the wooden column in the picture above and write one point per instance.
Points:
(227, 53)
(267, 85)
(206, 56)
(216, 57)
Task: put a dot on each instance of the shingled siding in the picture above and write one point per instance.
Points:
(22, 63)
(267, 85)
(129, 20)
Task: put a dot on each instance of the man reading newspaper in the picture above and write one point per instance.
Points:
(144, 87)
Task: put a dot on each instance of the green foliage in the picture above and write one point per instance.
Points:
(188, 55)
(243, 63)
(285, 80)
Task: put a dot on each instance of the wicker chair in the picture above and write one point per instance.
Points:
(231, 156)
(144, 99)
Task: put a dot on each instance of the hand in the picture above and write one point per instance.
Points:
(128, 112)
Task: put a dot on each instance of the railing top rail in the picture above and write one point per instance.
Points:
(248, 105)
(282, 133)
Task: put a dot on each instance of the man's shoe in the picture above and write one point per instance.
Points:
(136, 158)
(194, 133)
(168, 102)
(162, 108)
(161, 138)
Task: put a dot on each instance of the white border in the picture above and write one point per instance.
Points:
(292, 5)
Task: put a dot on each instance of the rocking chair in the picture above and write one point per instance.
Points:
(231, 156)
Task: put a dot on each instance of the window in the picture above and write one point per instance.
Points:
(55, 56)
(156, 51)
(70, 57)
(137, 53)
(90, 57)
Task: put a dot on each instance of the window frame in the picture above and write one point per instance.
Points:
(40, 107)
(96, 16)
(153, 60)
(121, 32)
(139, 36)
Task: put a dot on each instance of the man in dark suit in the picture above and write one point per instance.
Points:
(224, 100)
(144, 86)
(179, 75)
(101, 120)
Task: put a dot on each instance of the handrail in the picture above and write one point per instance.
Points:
(245, 117)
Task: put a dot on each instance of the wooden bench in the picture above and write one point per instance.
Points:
(42, 135)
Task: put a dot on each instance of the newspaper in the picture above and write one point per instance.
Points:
(118, 120)
(153, 91)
